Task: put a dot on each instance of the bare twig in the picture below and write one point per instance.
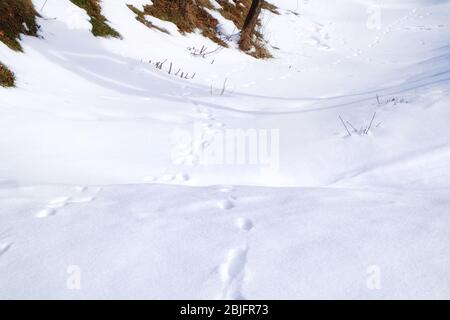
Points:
(43, 6)
(224, 88)
(343, 123)
(354, 129)
(371, 122)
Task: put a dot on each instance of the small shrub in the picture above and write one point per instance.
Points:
(7, 78)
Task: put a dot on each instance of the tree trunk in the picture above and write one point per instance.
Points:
(249, 25)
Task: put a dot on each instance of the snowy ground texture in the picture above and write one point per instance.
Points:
(104, 194)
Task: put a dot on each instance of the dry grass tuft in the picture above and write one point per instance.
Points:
(100, 28)
(140, 16)
(270, 7)
(191, 15)
(17, 17)
(236, 11)
(187, 15)
(7, 78)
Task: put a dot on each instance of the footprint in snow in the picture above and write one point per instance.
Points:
(5, 244)
(232, 273)
(182, 177)
(179, 177)
(244, 224)
(225, 204)
(82, 199)
(45, 213)
(60, 202)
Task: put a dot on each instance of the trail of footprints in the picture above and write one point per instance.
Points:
(397, 24)
(81, 195)
(190, 152)
(232, 270)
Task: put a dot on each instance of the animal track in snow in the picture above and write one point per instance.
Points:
(388, 29)
(60, 202)
(4, 246)
(189, 153)
(225, 204)
(183, 177)
(167, 177)
(45, 213)
(232, 273)
(5, 243)
(244, 224)
(321, 37)
(228, 203)
(82, 199)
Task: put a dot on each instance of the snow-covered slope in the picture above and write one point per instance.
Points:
(103, 157)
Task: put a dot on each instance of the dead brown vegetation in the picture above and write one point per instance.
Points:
(7, 78)
(187, 15)
(17, 17)
(253, 42)
(100, 27)
(190, 15)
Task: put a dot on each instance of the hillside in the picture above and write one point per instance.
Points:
(139, 143)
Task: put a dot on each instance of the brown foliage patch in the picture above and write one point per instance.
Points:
(17, 17)
(100, 28)
(190, 15)
(237, 11)
(7, 77)
(187, 15)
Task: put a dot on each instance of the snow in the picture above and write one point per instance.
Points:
(126, 173)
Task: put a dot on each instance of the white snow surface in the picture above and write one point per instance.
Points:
(100, 169)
